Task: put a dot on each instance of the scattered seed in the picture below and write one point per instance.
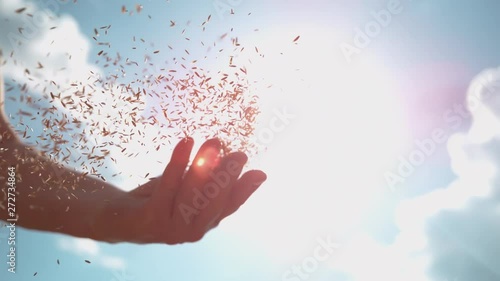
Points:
(20, 10)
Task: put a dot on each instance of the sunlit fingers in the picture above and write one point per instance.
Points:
(171, 180)
(206, 160)
(242, 190)
(217, 191)
(189, 198)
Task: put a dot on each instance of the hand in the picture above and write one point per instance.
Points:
(180, 206)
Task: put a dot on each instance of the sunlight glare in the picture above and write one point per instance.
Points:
(346, 133)
(200, 162)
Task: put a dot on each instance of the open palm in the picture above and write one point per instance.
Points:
(181, 206)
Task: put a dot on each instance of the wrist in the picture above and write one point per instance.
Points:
(102, 223)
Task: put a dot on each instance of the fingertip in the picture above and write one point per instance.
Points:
(240, 157)
(182, 151)
(213, 143)
(185, 143)
(208, 155)
(259, 178)
(234, 162)
(246, 186)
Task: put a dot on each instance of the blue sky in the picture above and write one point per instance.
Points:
(354, 120)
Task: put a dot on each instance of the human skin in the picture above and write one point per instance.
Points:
(51, 197)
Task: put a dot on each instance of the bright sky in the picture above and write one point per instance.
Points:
(357, 99)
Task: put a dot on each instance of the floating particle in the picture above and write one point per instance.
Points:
(296, 39)
(138, 8)
(87, 261)
(190, 100)
(20, 10)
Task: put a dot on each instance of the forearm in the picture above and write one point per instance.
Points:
(48, 196)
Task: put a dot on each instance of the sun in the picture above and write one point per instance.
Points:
(329, 161)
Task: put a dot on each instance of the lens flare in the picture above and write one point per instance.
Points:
(200, 162)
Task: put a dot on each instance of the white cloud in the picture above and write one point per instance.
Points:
(464, 226)
(80, 246)
(55, 42)
(43, 51)
(57, 53)
(450, 233)
(90, 249)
